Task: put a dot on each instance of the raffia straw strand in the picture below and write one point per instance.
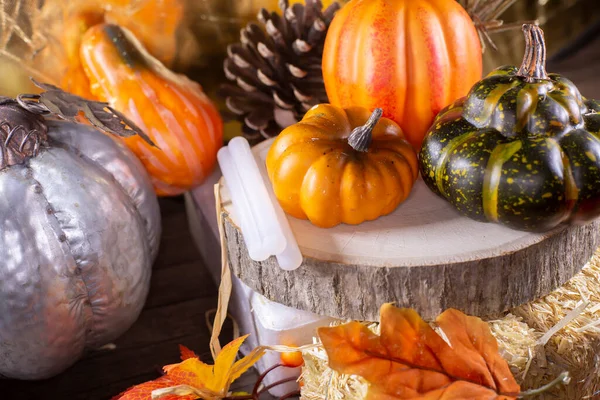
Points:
(510, 26)
(209, 324)
(563, 322)
(225, 285)
(593, 324)
(491, 24)
(528, 365)
(487, 8)
(502, 8)
(220, 316)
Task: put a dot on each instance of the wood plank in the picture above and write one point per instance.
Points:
(160, 324)
(244, 383)
(177, 248)
(179, 283)
(106, 375)
(170, 205)
(176, 245)
(151, 343)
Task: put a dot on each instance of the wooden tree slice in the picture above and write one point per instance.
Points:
(424, 255)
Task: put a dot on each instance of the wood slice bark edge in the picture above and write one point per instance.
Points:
(485, 287)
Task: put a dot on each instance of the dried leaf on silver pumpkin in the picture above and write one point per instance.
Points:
(68, 106)
(275, 71)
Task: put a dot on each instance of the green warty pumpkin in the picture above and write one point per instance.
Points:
(522, 149)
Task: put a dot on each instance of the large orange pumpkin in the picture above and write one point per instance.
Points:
(411, 58)
(341, 166)
(172, 110)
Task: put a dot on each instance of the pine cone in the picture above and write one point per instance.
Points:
(277, 70)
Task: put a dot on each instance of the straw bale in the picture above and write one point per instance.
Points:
(536, 351)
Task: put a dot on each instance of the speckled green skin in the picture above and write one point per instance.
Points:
(524, 155)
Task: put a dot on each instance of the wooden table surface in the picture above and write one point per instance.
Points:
(182, 291)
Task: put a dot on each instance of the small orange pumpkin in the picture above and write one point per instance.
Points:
(172, 110)
(411, 58)
(341, 166)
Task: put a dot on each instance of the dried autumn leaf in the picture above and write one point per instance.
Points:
(409, 360)
(144, 391)
(219, 377)
(69, 106)
(186, 353)
(192, 379)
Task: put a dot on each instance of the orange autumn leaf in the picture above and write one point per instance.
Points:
(192, 378)
(409, 360)
(219, 377)
(186, 353)
(144, 391)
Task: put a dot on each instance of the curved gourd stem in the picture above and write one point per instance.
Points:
(534, 61)
(361, 137)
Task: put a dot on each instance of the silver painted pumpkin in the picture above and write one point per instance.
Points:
(79, 230)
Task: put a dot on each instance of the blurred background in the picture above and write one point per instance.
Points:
(191, 36)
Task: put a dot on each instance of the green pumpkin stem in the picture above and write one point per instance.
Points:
(534, 61)
(361, 137)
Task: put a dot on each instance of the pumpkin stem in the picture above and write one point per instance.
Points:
(534, 61)
(361, 137)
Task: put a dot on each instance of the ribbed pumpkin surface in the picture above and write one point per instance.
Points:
(411, 58)
(172, 110)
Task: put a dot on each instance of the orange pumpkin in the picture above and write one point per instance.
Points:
(171, 109)
(341, 166)
(411, 58)
(76, 24)
(153, 22)
(292, 359)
